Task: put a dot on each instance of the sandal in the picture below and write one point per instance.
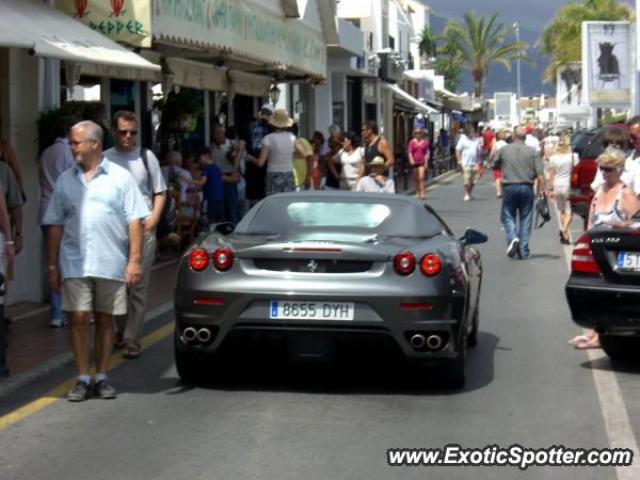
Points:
(578, 339)
(590, 343)
(131, 352)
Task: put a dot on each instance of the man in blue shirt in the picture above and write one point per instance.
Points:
(94, 219)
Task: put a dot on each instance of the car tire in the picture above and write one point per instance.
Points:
(621, 347)
(190, 366)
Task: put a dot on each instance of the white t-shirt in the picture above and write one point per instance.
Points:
(468, 151)
(133, 162)
(368, 184)
(351, 163)
(280, 157)
(532, 142)
(562, 164)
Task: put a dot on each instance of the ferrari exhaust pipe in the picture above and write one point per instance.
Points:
(417, 341)
(434, 342)
(189, 334)
(204, 335)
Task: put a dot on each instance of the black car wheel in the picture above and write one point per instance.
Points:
(621, 348)
(190, 368)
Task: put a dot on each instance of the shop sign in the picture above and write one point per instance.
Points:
(127, 21)
(244, 28)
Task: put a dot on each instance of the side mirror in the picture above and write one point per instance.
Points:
(224, 228)
(473, 237)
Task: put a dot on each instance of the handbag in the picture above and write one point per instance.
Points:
(543, 214)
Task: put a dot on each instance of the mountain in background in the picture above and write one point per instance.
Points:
(502, 80)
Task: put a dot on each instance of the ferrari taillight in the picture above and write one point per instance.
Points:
(222, 259)
(199, 259)
(404, 263)
(430, 265)
(582, 260)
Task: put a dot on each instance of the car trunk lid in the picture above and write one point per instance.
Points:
(617, 252)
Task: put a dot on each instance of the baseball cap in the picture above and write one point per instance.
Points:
(267, 106)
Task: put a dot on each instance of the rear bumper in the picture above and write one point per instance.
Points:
(595, 303)
(244, 320)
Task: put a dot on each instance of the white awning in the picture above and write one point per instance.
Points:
(51, 33)
(249, 84)
(402, 95)
(198, 75)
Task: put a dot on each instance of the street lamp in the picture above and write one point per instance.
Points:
(516, 27)
(274, 94)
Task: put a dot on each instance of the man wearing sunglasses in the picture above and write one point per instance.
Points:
(145, 168)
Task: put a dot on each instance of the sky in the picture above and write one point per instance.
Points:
(532, 15)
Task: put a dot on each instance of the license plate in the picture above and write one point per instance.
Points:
(285, 310)
(629, 261)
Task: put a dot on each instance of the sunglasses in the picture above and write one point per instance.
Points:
(129, 132)
(607, 169)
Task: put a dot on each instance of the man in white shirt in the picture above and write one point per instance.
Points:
(376, 181)
(145, 168)
(467, 150)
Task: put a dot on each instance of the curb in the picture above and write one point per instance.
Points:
(13, 383)
(443, 177)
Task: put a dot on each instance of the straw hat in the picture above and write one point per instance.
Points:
(377, 161)
(280, 119)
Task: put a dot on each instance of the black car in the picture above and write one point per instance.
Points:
(603, 290)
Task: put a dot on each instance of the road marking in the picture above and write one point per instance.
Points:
(616, 418)
(60, 391)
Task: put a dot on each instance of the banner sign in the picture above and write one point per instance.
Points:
(243, 28)
(606, 60)
(127, 21)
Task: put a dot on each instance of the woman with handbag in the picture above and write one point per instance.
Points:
(561, 164)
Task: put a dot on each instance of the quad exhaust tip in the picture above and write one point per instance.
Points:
(204, 335)
(417, 341)
(190, 334)
(434, 342)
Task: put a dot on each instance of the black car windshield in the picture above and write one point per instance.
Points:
(390, 217)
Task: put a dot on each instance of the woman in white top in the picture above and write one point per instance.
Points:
(613, 202)
(561, 164)
(351, 158)
(278, 148)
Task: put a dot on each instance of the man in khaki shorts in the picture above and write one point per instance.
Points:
(95, 218)
(467, 156)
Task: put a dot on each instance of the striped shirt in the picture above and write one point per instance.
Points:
(519, 163)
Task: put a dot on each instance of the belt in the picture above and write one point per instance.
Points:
(517, 183)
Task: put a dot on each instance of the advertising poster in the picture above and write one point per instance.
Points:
(606, 60)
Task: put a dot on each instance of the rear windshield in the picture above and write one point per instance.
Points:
(367, 216)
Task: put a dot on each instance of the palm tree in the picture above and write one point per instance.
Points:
(483, 42)
(444, 57)
(562, 38)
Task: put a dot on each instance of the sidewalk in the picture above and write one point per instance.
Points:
(35, 348)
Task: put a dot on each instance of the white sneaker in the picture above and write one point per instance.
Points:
(56, 323)
(467, 198)
(514, 247)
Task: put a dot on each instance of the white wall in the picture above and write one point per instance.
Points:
(19, 111)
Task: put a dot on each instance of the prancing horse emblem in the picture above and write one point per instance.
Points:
(312, 266)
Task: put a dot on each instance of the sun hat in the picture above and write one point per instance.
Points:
(280, 119)
(377, 161)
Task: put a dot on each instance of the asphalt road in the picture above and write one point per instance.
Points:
(525, 386)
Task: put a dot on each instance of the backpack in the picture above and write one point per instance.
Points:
(167, 222)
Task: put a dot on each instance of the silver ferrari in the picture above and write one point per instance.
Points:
(309, 268)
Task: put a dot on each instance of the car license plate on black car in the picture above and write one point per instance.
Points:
(629, 261)
(286, 310)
